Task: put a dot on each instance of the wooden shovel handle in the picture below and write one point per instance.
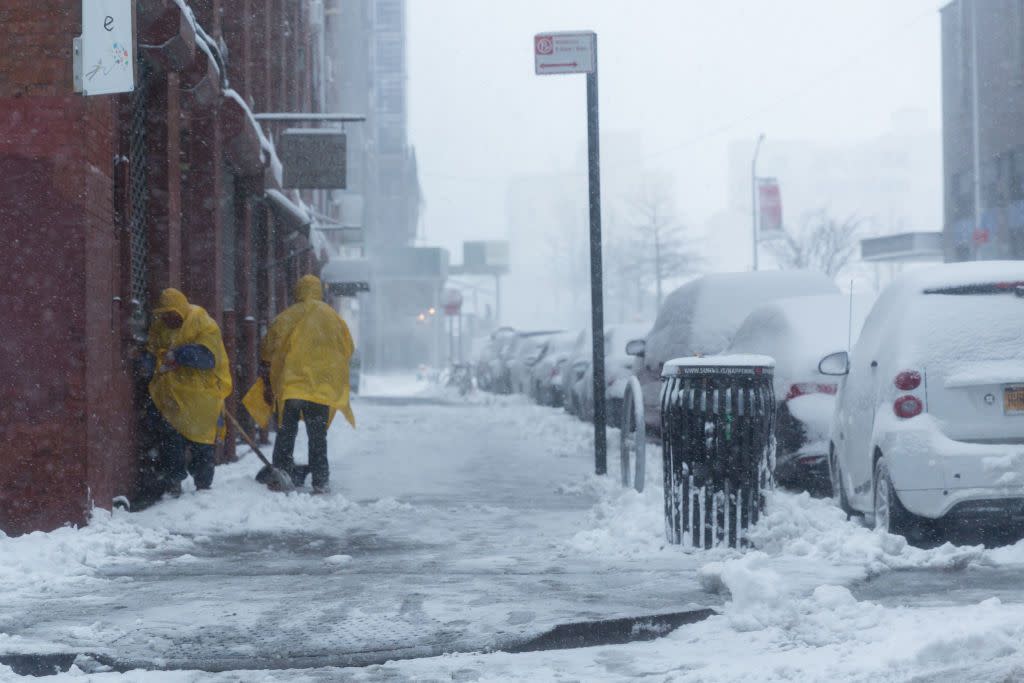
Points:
(246, 438)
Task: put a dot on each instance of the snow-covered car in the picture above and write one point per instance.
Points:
(546, 375)
(618, 368)
(797, 332)
(701, 317)
(928, 430)
(487, 365)
(572, 372)
(529, 349)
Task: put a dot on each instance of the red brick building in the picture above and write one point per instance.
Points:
(107, 200)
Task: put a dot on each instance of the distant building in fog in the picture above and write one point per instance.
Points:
(1000, 115)
(893, 182)
(383, 194)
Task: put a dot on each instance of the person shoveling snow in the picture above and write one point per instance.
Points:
(190, 378)
(305, 376)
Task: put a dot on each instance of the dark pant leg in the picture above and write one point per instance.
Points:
(172, 452)
(284, 444)
(202, 464)
(315, 416)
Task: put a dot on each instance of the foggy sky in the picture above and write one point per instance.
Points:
(690, 77)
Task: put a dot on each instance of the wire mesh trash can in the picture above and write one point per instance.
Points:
(718, 446)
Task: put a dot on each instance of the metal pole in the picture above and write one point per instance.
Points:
(975, 127)
(753, 196)
(596, 291)
(497, 300)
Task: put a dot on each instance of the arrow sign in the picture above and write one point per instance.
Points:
(565, 52)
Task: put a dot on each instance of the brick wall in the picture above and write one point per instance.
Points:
(61, 395)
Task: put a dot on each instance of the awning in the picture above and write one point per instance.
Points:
(291, 215)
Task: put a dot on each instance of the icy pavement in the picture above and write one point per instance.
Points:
(467, 526)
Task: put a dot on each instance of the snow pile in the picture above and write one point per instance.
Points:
(813, 531)
(40, 563)
(623, 524)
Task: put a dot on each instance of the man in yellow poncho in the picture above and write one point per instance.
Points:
(191, 378)
(305, 364)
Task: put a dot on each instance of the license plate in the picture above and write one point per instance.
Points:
(1013, 400)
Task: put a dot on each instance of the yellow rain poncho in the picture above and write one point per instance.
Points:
(308, 348)
(191, 400)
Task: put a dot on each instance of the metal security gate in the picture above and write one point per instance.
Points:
(718, 446)
(138, 196)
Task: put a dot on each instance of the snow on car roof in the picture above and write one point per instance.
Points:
(799, 331)
(703, 315)
(961, 274)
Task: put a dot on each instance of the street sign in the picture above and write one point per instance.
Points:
(452, 301)
(104, 55)
(565, 53)
(313, 158)
(485, 257)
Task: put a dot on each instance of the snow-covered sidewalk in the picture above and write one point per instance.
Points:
(467, 525)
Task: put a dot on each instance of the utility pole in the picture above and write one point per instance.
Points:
(753, 196)
(975, 129)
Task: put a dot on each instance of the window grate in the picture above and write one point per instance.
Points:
(139, 199)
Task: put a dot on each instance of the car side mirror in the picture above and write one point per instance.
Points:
(636, 347)
(835, 364)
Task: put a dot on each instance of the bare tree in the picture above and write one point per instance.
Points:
(823, 243)
(657, 247)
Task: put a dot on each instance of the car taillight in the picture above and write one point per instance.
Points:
(908, 380)
(907, 406)
(805, 388)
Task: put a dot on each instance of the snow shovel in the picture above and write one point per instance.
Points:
(275, 479)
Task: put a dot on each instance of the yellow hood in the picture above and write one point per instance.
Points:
(309, 288)
(173, 300)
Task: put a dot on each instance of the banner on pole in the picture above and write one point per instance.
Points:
(769, 203)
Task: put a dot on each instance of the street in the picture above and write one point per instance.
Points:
(473, 525)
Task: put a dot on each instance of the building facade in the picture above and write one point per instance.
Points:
(983, 128)
(110, 199)
(368, 50)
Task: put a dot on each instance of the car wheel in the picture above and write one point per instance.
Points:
(890, 515)
(836, 478)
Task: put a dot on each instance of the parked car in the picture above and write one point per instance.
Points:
(929, 421)
(577, 364)
(487, 361)
(797, 332)
(546, 375)
(527, 351)
(701, 317)
(618, 368)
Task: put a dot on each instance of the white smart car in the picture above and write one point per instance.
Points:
(929, 423)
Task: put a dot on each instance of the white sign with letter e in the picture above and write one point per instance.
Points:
(565, 52)
(105, 54)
